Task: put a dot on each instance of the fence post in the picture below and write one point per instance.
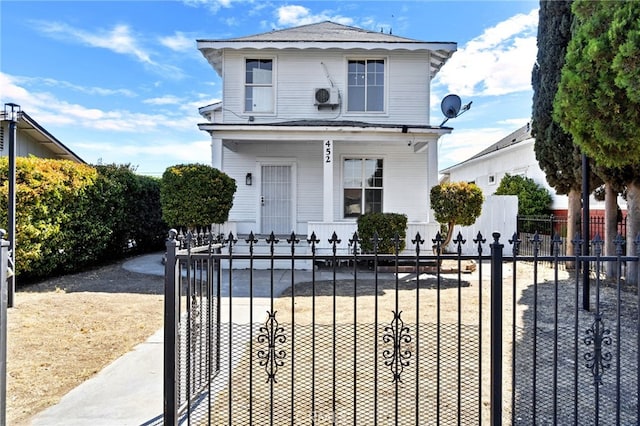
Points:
(171, 301)
(4, 301)
(496, 330)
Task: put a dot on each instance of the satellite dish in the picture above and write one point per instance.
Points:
(451, 105)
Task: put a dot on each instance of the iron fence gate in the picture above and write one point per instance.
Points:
(371, 338)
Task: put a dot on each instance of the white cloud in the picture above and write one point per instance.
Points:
(93, 90)
(156, 158)
(497, 62)
(212, 5)
(294, 15)
(458, 146)
(178, 42)
(119, 39)
(49, 110)
(164, 100)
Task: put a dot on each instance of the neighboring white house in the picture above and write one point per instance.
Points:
(514, 155)
(322, 123)
(33, 140)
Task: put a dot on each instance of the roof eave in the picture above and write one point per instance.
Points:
(440, 52)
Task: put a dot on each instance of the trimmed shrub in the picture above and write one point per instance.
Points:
(455, 203)
(533, 199)
(387, 225)
(195, 195)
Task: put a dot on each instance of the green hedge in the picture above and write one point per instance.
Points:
(70, 216)
(196, 195)
(387, 225)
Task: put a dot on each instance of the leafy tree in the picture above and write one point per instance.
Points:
(456, 203)
(557, 155)
(533, 199)
(598, 99)
(194, 195)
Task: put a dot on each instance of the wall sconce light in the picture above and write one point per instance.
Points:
(248, 180)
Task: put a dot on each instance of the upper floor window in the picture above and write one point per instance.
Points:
(258, 85)
(362, 183)
(365, 91)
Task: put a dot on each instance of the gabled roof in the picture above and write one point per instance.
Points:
(325, 31)
(326, 35)
(520, 135)
(40, 135)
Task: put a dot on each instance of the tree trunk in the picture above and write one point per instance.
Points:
(633, 228)
(610, 227)
(573, 222)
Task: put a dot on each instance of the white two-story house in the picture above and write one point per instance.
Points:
(322, 123)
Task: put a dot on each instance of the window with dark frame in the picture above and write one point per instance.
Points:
(258, 90)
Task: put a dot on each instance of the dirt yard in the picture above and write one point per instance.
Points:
(64, 330)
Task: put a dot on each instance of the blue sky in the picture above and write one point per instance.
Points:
(121, 81)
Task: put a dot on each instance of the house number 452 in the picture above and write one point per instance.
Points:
(327, 151)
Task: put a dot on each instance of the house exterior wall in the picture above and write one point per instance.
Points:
(404, 180)
(298, 72)
(515, 159)
(518, 159)
(25, 145)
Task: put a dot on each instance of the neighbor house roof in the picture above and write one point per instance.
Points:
(326, 35)
(520, 135)
(29, 126)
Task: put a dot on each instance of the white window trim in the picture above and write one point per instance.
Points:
(386, 84)
(344, 157)
(274, 65)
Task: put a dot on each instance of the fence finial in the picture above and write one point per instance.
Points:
(597, 242)
(479, 240)
(251, 240)
(458, 242)
(417, 241)
(556, 242)
(577, 242)
(313, 240)
(354, 242)
(515, 240)
(619, 241)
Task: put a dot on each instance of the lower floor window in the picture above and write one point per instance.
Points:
(362, 183)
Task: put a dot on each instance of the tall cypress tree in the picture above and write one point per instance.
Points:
(557, 155)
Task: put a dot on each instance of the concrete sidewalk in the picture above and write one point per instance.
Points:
(129, 390)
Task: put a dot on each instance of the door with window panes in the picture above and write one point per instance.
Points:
(362, 182)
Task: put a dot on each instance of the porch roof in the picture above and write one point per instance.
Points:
(417, 136)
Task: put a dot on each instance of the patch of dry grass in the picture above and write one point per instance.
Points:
(58, 339)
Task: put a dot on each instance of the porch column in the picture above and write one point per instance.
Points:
(327, 182)
(216, 153)
(432, 175)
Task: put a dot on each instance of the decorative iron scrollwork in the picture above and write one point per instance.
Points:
(397, 358)
(271, 359)
(598, 361)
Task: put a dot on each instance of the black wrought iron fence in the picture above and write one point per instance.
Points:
(4, 302)
(394, 339)
(547, 226)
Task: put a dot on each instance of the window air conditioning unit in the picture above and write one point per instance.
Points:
(325, 96)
